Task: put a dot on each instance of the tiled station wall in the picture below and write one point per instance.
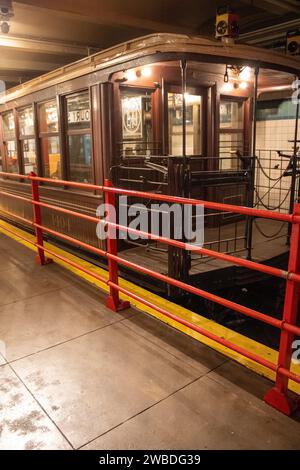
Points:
(275, 131)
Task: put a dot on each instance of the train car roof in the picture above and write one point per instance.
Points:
(152, 44)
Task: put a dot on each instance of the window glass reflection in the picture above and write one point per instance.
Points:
(8, 126)
(231, 114)
(80, 156)
(79, 111)
(26, 121)
(12, 157)
(136, 123)
(193, 124)
(29, 156)
(51, 157)
(48, 117)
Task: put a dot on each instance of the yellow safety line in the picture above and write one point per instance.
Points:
(223, 332)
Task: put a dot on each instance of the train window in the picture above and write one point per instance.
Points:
(193, 124)
(231, 114)
(48, 117)
(26, 121)
(9, 130)
(27, 138)
(51, 157)
(49, 139)
(79, 111)
(10, 143)
(79, 138)
(136, 122)
(231, 132)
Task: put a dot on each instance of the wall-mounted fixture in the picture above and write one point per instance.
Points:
(227, 22)
(6, 13)
(293, 42)
(236, 77)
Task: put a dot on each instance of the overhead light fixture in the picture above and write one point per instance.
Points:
(243, 85)
(227, 87)
(245, 73)
(146, 72)
(130, 75)
(226, 76)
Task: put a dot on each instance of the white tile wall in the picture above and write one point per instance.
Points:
(272, 136)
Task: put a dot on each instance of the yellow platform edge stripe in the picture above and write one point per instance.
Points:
(219, 330)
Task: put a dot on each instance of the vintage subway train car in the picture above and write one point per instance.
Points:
(164, 113)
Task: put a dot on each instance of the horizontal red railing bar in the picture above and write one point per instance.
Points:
(207, 204)
(75, 241)
(211, 253)
(198, 329)
(289, 374)
(52, 207)
(15, 196)
(89, 218)
(162, 197)
(18, 217)
(217, 339)
(62, 258)
(13, 175)
(191, 289)
(176, 243)
(73, 184)
(19, 236)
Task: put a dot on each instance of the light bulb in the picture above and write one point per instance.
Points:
(245, 74)
(243, 85)
(146, 72)
(227, 87)
(130, 75)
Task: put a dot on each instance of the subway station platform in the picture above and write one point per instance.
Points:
(74, 375)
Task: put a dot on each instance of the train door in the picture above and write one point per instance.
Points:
(137, 122)
(195, 100)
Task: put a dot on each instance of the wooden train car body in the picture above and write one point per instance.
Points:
(155, 113)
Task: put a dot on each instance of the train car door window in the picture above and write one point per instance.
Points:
(10, 143)
(231, 138)
(193, 123)
(79, 137)
(136, 108)
(27, 138)
(49, 139)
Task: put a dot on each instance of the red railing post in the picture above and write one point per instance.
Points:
(37, 218)
(279, 397)
(113, 302)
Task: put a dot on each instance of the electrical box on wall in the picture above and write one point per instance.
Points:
(293, 42)
(227, 23)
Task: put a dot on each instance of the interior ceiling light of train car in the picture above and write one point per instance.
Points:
(236, 77)
(132, 75)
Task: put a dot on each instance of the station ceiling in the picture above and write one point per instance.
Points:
(46, 34)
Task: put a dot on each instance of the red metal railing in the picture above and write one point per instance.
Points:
(279, 396)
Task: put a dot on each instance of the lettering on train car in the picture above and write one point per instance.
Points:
(61, 222)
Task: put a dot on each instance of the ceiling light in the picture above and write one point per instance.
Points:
(146, 72)
(245, 74)
(130, 75)
(227, 87)
(243, 85)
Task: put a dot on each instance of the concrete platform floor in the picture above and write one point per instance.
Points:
(75, 375)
